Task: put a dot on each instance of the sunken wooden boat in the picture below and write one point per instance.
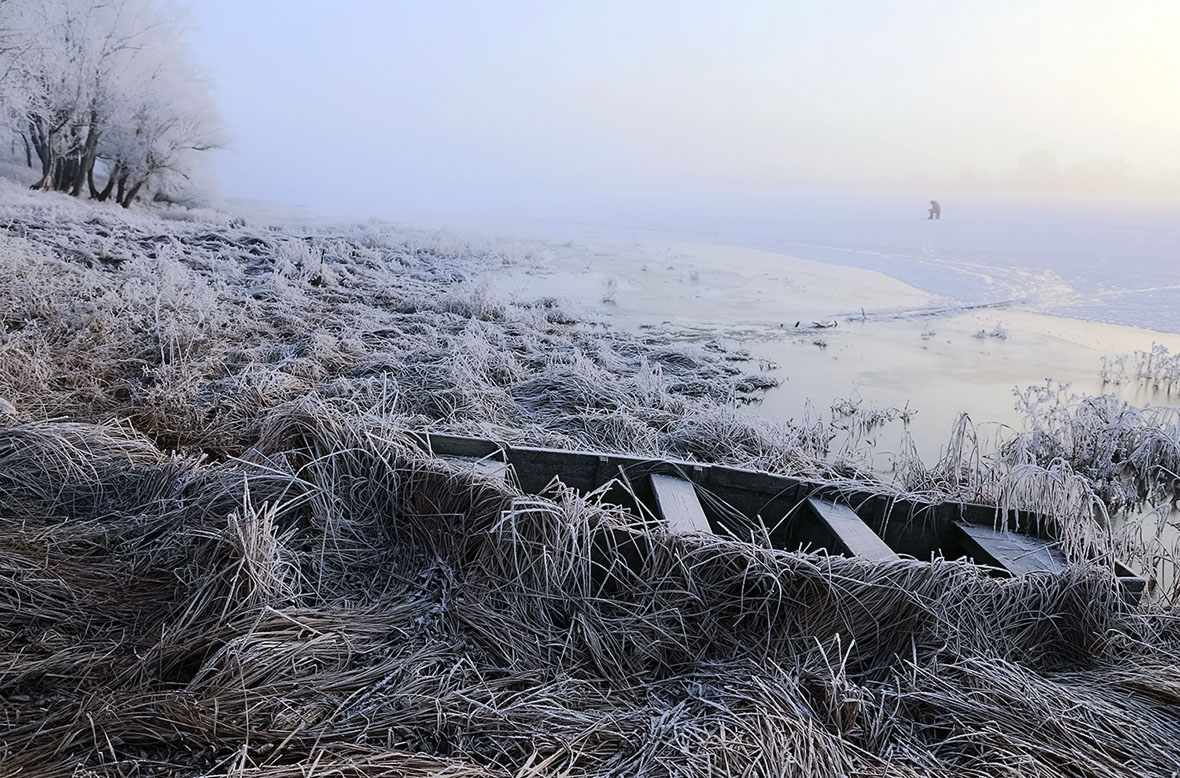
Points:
(789, 513)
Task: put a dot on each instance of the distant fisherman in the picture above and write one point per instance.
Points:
(935, 210)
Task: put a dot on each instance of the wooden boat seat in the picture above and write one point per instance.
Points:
(677, 503)
(1016, 553)
(763, 507)
(488, 468)
(850, 535)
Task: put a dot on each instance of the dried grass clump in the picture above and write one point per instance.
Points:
(1098, 473)
(333, 602)
(1117, 463)
(1158, 369)
(1131, 455)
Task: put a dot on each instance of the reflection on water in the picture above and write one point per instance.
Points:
(933, 380)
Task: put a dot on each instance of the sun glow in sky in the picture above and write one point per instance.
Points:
(351, 101)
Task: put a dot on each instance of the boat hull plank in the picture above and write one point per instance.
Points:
(848, 534)
(1018, 554)
(453, 445)
(536, 467)
(676, 500)
(488, 468)
(781, 511)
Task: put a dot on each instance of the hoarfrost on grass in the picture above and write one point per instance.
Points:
(224, 556)
(194, 330)
(1158, 369)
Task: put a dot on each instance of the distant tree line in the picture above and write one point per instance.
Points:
(104, 94)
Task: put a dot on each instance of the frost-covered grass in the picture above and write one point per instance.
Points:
(999, 332)
(192, 326)
(1131, 455)
(333, 602)
(193, 330)
(1102, 472)
(220, 555)
(857, 418)
(1158, 369)
(1122, 461)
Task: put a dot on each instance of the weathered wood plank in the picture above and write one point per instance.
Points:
(536, 467)
(1133, 585)
(1018, 554)
(489, 468)
(752, 480)
(676, 500)
(851, 535)
(453, 445)
(913, 528)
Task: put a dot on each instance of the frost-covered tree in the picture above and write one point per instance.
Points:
(102, 87)
(164, 119)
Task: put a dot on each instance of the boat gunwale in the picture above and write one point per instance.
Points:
(709, 476)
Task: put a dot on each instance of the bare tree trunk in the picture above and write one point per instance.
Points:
(89, 152)
(43, 144)
(28, 150)
(48, 173)
(61, 174)
(129, 198)
(66, 173)
(122, 188)
(101, 195)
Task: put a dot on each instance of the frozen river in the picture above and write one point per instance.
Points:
(1054, 279)
(1079, 259)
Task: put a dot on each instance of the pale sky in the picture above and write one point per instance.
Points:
(349, 102)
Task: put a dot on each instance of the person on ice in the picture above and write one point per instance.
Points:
(935, 210)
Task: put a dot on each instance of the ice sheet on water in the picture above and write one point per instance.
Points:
(1074, 258)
